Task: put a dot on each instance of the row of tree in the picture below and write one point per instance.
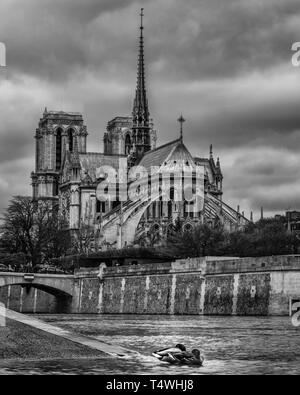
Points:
(35, 233)
(263, 238)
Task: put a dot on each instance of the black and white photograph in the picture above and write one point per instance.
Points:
(149, 190)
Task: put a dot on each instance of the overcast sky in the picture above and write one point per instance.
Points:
(225, 64)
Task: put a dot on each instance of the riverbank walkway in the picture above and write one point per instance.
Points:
(112, 350)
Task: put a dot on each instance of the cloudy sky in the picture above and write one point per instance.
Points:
(226, 65)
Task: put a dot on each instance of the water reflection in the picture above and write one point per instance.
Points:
(231, 345)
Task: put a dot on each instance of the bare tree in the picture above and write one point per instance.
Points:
(84, 240)
(34, 229)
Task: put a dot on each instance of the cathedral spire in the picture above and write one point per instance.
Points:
(140, 113)
(140, 108)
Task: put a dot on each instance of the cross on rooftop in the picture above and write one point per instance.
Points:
(181, 120)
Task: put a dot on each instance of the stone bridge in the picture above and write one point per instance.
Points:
(61, 287)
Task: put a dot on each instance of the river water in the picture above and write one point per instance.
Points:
(231, 345)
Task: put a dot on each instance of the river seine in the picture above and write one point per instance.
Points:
(231, 345)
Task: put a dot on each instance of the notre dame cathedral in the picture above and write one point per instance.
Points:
(68, 175)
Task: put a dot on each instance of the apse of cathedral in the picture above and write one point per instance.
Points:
(69, 176)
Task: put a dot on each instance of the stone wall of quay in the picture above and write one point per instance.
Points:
(202, 286)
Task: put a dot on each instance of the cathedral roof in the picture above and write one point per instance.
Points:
(174, 152)
(201, 160)
(157, 156)
(90, 162)
(59, 115)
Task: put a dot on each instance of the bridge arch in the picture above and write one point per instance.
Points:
(50, 290)
(59, 290)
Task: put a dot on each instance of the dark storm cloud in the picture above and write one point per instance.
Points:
(191, 39)
(264, 177)
(13, 182)
(52, 38)
(216, 38)
(225, 64)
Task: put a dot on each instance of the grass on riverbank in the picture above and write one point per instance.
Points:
(19, 341)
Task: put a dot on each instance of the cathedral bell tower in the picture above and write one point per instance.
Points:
(56, 135)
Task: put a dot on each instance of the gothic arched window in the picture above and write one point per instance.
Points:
(127, 144)
(140, 137)
(155, 229)
(71, 139)
(170, 209)
(186, 209)
(172, 194)
(58, 149)
(188, 228)
(170, 230)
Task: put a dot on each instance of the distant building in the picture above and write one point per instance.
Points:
(293, 221)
